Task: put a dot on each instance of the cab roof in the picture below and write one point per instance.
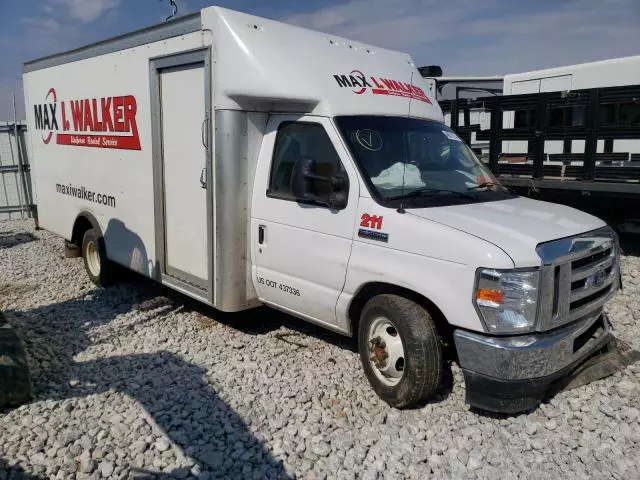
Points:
(260, 62)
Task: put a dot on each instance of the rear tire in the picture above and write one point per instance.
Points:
(400, 350)
(96, 263)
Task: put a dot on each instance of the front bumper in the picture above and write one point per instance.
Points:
(514, 374)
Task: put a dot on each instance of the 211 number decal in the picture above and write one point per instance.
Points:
(371, 221)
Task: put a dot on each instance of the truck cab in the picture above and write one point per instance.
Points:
(389, 228)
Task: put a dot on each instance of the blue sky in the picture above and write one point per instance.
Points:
(465, 37)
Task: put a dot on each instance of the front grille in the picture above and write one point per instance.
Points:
(589, 299)
(591, 259)
(579, 274)
(582, 282)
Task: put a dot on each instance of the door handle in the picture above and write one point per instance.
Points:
(261, 229)
(203, 132)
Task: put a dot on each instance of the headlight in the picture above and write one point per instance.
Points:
(507, 299)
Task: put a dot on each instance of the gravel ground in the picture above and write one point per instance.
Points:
(133, 381)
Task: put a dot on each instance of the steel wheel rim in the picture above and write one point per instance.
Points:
(93, 258)
(386, 351)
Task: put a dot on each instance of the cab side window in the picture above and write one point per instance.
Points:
(299, 144)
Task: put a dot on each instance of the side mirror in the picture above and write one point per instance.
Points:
(340, 195)
(339, 182)
(302, 178)
(338, 200)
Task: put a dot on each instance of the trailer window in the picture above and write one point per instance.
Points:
(296, 141)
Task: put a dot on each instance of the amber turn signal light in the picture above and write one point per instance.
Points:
(488, 295)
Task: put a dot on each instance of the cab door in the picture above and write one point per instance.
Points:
(301, 247)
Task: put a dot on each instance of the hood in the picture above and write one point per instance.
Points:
(516, 225)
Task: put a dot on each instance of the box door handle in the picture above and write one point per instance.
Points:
(203, 132)
(205, 143)
(261, 234)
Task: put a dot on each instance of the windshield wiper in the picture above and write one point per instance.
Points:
(427, 191)
(487, 185)
(483, 185)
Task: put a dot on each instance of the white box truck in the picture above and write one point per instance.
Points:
(242, 161)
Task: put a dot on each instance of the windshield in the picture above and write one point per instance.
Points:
(415, 163)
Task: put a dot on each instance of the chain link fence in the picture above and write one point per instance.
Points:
(16, 192)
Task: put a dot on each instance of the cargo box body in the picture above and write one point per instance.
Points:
(154, 136)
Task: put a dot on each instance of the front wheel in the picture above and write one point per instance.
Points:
(400, 350)
(98, 267)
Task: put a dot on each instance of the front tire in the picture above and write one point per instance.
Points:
(98, 267)
(400, 350)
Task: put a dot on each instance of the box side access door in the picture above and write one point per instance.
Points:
(181, 116)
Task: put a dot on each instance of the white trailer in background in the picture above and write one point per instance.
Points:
(606, 73)
(242, 162)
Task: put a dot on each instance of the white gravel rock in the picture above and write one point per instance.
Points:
(85, 463)
(106, 469)
(134, 382)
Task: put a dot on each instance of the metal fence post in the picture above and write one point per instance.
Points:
(21, 163)
(495, 141)
(591, 143)
(540, 128)
(13, 160)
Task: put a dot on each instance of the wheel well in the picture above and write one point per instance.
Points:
(370, 290)
(80, 227)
